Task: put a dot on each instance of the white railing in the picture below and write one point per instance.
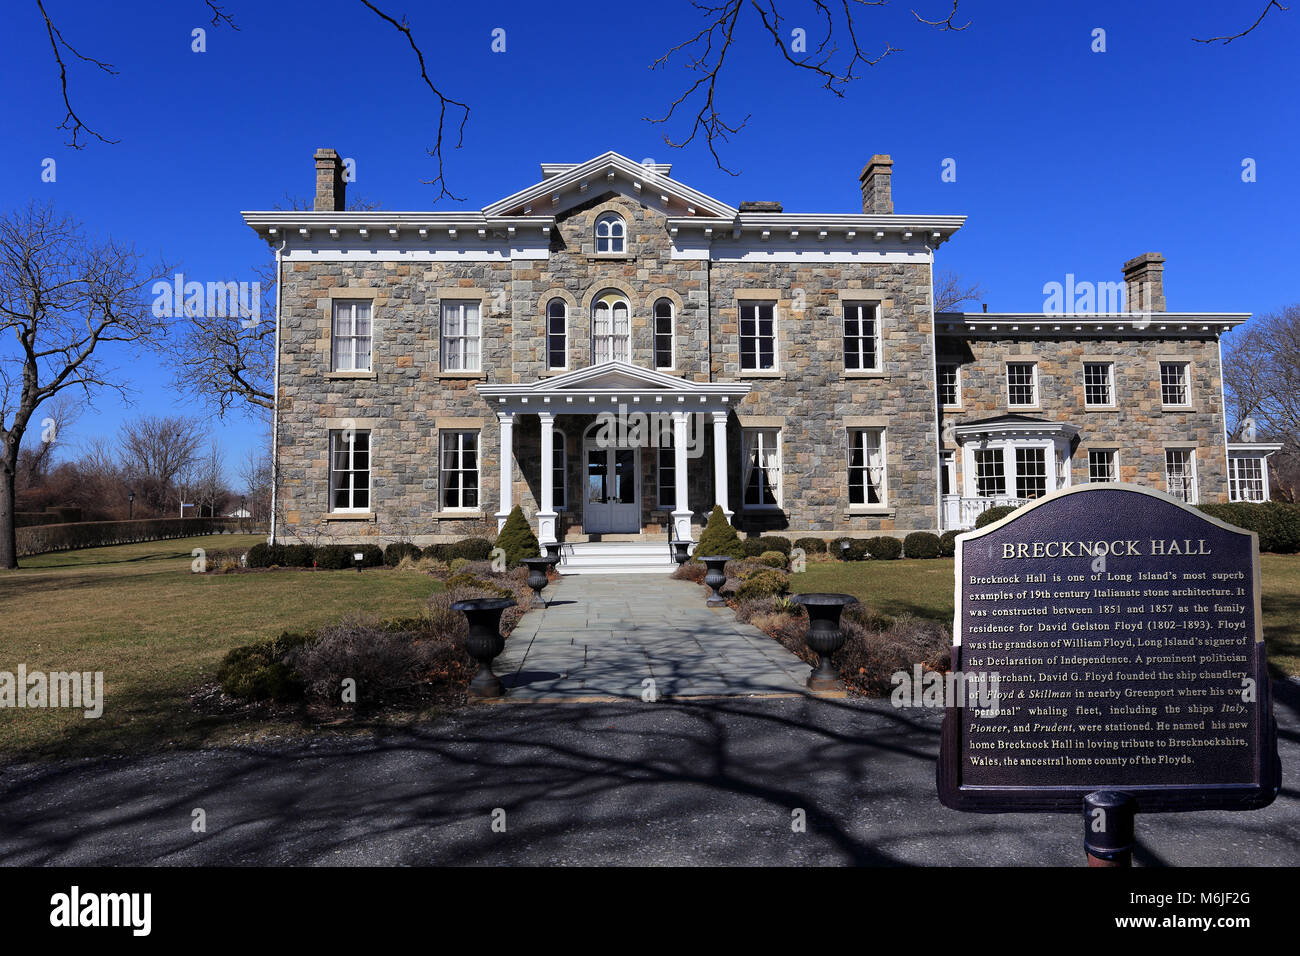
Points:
(959, 513)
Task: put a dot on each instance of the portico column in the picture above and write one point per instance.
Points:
(682, 509)
(720, 462)
(506, 421)
(546, 517)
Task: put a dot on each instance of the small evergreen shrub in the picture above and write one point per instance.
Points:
(921, 544)
(261, 671)
(394, 553)
(993, 514)
(266, 556)
(719, 538)
(884, 548)
(811, 545)
(773, 559)
(297, 556)
(766, 583)
(774, 542)
(516, 539)
(752, 547)
(948, 543)
(473, 549)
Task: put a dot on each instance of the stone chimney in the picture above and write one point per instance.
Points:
(330, 186)
(1144, 281)
(755, 205)
(877, 197)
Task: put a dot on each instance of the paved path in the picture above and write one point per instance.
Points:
(686, 783)
(604, 636)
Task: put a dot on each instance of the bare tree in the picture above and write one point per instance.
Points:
(35, 457)
(63, 297)
(1261, 381)
(156, 452)
(255, 480)
(1225, 40)
(951, 290)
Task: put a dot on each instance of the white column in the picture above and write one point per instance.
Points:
(506, 421)
(720, 462)
(682, 510)
(546, 517)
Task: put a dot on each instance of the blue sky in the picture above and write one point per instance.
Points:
(1068, 161)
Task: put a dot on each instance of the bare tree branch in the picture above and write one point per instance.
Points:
(71, 121)
(444, 102)
(220, 16)
(946, 23)
(1226, 39)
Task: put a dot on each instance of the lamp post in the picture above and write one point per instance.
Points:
(130, 503)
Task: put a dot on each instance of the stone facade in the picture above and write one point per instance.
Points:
(707, 260)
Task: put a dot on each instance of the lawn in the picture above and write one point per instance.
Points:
(157, 631)
(925, 588)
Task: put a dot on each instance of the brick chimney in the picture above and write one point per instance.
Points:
(1144, 281)
(330, 186)
(877, 197)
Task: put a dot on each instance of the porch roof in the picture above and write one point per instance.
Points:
(1009, 425)
(610, 384)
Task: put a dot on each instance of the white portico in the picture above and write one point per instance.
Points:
(634, 409)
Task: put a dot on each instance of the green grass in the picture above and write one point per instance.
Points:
(158, 631)
(925, 589)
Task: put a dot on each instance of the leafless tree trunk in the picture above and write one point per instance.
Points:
(156, 451)
(62, 297)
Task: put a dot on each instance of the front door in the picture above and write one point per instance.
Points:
(612, 503)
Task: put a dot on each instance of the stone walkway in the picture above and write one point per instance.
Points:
(603, 636)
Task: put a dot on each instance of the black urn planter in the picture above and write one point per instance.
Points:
(824, 635)
(716, 577)
(682, 551)
(485, 641)
(537, 579)
(553, 552)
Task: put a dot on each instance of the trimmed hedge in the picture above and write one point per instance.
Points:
(884, 548)
(948, 543)
(39, 539)
(471, 549)
(395, 552)
(760, 584)
(921, 544)
(811, 545)
(993, 514)
(774, 559)
(1276, 523)
(752, 547)
(774, 542)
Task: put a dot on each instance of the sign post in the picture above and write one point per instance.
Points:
(1122, 629)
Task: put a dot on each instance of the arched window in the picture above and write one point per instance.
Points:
(611, 330)
(664, 334)
(611, 234)
(557, 334)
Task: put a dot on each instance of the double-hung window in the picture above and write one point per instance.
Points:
(611, 235)
(664, 334)
(1022, 384)
(1180, 473)
(611, 329)
(862, 336)
(950, 385)
(990, 473)
(1246, 478)
(757, 336)
(460, 335)
(1031, 471)
(458, 477)
(1102, 465)
(351, 337)
(667, 473)
(762, 473)
(557, 334)
(1098, 384)
(1173, 384)
(867, 466)
(349, 471)
(559, 472)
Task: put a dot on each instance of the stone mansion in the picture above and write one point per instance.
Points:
(616, 352)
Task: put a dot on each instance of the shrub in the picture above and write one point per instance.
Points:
(766, 583)
(835, 548)
(470, 582)
(752, 547)
(993, 514)
(297, 556)
(774, 542)
(471, 549)
(948, 543)
(884, 548)
(1276, 523)
(457, 564)
(333, 557)
(811, 545)
(381, 658)
(261, 671)
(921, 544)
(773, 559)
(719, 537)
(871, 655)
(690, 571)
(394, 553)
(516, 539)
(266, 555)
(68, 536)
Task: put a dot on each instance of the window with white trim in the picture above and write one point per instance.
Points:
(559, 469)
(611, 234)
(757, 336)
(611, 329)
(667, 460)
(1022, 384)
(350, 340)
(461, 331)
(1246, 478)
(950, 385)
(1173, 384)
(762, 467)
(1180, 473)
(867, 466)
(990, 473)
(557, 334)
(1031, 471)
(349, 471)
(1098, 384)
(862, 336)
(665, 334)
(1102, 465)
(947, 472)
(458, 475)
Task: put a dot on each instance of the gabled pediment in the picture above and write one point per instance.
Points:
(570, 186)
(612, 375)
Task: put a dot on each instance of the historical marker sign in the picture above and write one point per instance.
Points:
(1124, 630)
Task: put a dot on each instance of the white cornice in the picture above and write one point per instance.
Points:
(1075, 323)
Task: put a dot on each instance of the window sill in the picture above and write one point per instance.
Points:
(338, 376)
(456, 515)
(1024, 408)
(350, 516)
(465, 375)
(1178, 408)
(952, 408)
(760, 373)
(864, 373)
(610, 257)
(876, 511)
(1101, 408)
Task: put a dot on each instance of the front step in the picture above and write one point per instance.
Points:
(616, 557)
